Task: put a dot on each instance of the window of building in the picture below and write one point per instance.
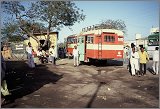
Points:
(109, 38)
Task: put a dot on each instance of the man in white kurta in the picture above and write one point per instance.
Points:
(29, 56)
(52, 54)
(156, 60)
(134, 60)
(76, 56)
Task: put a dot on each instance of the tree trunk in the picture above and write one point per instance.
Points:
(48, 33)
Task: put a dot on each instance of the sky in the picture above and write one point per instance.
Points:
(139, 16)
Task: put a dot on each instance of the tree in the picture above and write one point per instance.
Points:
(56, 14)
(113, 24)
(11, 32)
(53, 13)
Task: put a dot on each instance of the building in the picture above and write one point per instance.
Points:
(141, 41)
(128, 43)
(42, 37)
(154, 30)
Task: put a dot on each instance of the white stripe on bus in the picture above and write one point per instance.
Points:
(71, 45)
(104, 47)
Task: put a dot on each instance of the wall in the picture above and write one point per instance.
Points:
(53, 39)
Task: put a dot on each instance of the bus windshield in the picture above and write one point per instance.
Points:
(153, 40)
(71, 40)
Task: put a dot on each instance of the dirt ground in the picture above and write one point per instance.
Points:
(87, 86)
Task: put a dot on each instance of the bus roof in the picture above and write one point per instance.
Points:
(100, 31)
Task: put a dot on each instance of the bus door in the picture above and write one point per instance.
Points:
(81, 48)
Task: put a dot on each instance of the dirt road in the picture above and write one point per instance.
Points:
(66, 86)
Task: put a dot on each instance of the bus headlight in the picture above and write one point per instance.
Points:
(119, 53)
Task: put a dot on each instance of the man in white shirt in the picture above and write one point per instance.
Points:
(156, 60)
(76, 56)
(52, 54)
(29, 56)
(134, 60)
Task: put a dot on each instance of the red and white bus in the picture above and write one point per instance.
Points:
(71, 42)
(100, 44)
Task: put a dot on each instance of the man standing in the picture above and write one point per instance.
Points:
(29, 56)
(129, 56)
(76, 56)
(4, 89)
(134, 60)
(156, 60)
(143, 60)
(52, 53)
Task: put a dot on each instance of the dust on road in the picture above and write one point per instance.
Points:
(95, 86)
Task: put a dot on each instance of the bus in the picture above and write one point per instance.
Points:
(153, 41)
(98, 44)
(71, 42)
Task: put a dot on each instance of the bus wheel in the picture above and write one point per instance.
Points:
(91, 61)
(121, 63)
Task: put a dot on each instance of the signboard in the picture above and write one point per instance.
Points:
(19, 47)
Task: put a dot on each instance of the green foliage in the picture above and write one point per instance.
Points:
(12, 32)
(52, 15)
(56, 13)
(12, 7)
(113, 24)
(15, 38)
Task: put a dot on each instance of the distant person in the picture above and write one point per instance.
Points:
(143, 60)
(129, 56)
(39, 52)
(29, 55)
(125, 54)
(52, 53)
(4, 89)
(39, 55)
(156, 60)
(134, 61)
(76, 56)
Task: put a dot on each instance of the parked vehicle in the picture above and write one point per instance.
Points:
(153, 41)
(97, 44)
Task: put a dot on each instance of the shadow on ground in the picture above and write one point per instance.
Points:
(103, 63)
(23, 80)
(151, 71)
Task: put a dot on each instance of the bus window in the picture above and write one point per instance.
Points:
(109, 38)
(68, 40)
(154, 42)
(89, 39)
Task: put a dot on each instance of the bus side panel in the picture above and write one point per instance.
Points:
(70, 48)
(106, 54)
(108, 51)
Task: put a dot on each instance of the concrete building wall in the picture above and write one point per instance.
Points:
(53, 40)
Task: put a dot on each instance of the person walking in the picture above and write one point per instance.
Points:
(143, 60)
(4, 88)
(156, 60)
(76, 56)
(134, 60)
(129, 56)
(52, 54)
(29, 49)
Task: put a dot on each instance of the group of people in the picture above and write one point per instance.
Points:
(41, 54)
(138, 59)
(51, 56)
